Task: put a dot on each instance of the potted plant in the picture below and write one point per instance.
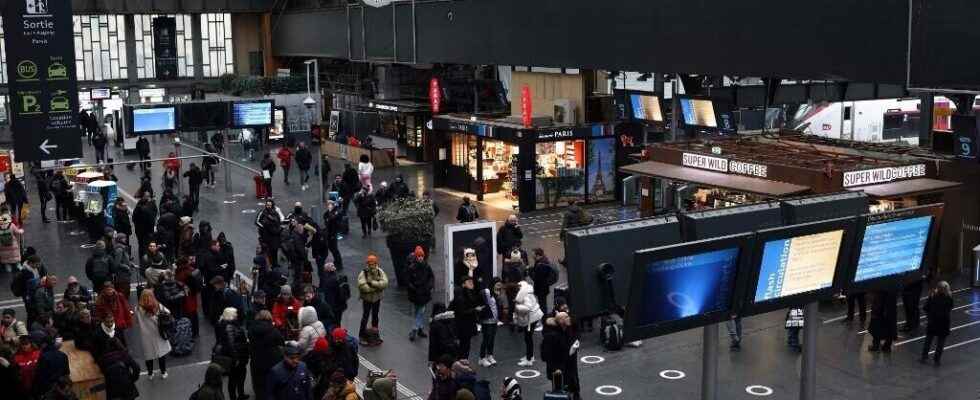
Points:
(408, 223)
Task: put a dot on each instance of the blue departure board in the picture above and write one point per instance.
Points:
(892, 248)
(688, 286)
(245, 114)
(159, 119)
(798, 265)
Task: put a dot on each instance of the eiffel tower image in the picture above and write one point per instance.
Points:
(599, 188)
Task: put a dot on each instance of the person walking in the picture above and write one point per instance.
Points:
(367, 208)
(149, 316)
(421, 282)
(194, 180)
(285, 156)
(143, 151)
(265, 350)
(209, 162)
(575, 216)
(332, 219)
(493, 300)
(61, 190)
(268, 170)
(99, 140)
(883, 326)
(466, 305)
(42, 181)
(467, 211)
(232, 343)
(371, 283)
(527, 315)
(365, 170)
(304, 159)
(290, 379)
(938, 307)
(16, 197)
(10, 237)
(352, 185)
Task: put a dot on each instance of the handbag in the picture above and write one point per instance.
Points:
(165, 323)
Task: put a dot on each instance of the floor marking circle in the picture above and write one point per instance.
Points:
(527, 374)
(592, 359)
(609, 390)
(672, 374)
(758, 390)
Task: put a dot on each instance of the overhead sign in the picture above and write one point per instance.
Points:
(724, 165)
(43, 89)
(883, 175)
(165, 47)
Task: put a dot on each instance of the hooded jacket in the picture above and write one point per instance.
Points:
(312, 329)
(442, 335)
(421, 281)
(371, 283)
(265, 345)
(527, 310)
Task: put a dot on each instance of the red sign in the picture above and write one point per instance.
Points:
(4, 163)
(435, 95)
(526, 106)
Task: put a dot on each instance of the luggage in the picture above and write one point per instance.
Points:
(371, 337)
(557, 389)
(182, 338)
(611, 334)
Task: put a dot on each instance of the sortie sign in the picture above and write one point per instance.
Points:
(41, 76)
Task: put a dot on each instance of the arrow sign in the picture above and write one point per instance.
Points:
(45, 146)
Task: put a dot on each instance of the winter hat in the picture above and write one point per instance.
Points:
(419, 252)
(465, 394)
(321, 345)
(72, 279)
(512, 389)
(293, 349)
(339, 334)
(286, 289)
(372, 259)
(297, 204)
(338, 378)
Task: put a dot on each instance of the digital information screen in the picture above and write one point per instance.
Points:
(101, 94)
(892, 248)
(154, 119)
(687, 286)
(699, 112)
(646, 107)
(798, 265)
(251, 114)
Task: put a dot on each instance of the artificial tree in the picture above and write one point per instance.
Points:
(409, 222)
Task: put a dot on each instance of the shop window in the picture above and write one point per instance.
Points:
(560, 173)
(413, 132)
(602, 172)
(460, 150)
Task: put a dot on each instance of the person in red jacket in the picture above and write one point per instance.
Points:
(26, 358)
(110, 302)
(285, 156)
(281, 309)
(188, 276)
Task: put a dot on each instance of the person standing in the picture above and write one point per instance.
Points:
(335, 291)
(285, 156)
(910, 303)
(421, 282)
(269, 223)
(209, 162)
(265, 350)
(61, 190)
(194, 180)
(110, 305)
(466, 305)
(304, 159)
(575, 216)
(544, 275)
(371, 283)
(493, 300)
(442, 329)
(233, 343)
(289, 379)
(367, 208)
(937, 308)
(883, 325)
(99, 140)
(332, 230)
(16, 196)
(352, 184)
(120, 218)
(467, 211)
(856, 299)
(734, 326)
(268, 170)
(143, 150)
(10, 236)
(559, 350)
(527, 315)
(365, 170)
(42, 180)
(155, 346)
(509, 237)
(144, 219)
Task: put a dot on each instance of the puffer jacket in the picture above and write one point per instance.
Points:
(371, 283)
(312, 329)
(526, 306)
(234, 341)
(442, 338)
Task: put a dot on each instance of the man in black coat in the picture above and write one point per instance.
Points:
(304, 159)
(509, 236)
(120, 218)
(61, 190)
(466, 305)
(16, 196)
(265, 351)
(269, 224)
(543, 275)
(331, 232)
(883, 326)
(330, 289)
(43, 192)
(143, 150)
(144, 219)
(194, 180)
(559, 350)
(51, 367)
(421, 281)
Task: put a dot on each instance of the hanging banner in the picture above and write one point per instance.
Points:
(43, 89)
(165, 47)
(526, 106)
(435, 95)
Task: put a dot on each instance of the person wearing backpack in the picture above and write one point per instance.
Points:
(98, 268)
(544, 275)
(61, 190)
(335, 290)
(10, 236)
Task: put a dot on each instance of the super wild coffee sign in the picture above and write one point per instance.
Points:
(41, 78)
(724, 165)
(883, 175)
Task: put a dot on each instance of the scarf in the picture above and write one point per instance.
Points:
(111, 332)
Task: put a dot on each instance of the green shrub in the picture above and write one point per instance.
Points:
(408, 220)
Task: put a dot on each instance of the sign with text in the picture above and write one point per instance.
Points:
(435, 95)
(883, 175)
(41, 74)
(725, 165)
(526, 110)
(165, 47)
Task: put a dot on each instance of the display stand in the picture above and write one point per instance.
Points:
(709, 363)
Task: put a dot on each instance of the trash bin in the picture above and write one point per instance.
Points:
(976, 266)
(260, 192)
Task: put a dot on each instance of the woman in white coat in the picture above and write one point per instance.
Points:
(155, 347)
(312, 329)
(527, 315)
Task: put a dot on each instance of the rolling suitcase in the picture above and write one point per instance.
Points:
(557, 389)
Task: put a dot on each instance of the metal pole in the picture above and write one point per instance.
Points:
(675, 109)
(808, 375)
(227, 167)
(709, 363)
(177, 153)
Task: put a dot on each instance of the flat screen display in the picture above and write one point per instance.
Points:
(646, 107)
(101, 94)
(157, 119)
(199, 116)
(893, 248)
(687, 286)
(798, 265)
(254, 113)
(698, 112)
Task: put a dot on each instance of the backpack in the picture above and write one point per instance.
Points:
(101, 267)
(165, 324)
(182, 338)
(344, 288)
(611, 335)
(19, 285)
(7, 236)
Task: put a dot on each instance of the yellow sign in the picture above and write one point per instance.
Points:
(26, 70)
